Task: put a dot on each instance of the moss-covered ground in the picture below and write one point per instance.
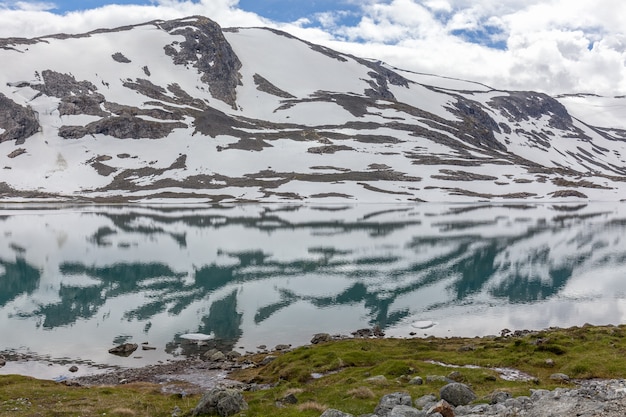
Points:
(345, 366)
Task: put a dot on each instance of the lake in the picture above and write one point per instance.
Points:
(78, 280)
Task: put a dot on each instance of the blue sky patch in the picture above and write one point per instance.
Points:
(490, 36)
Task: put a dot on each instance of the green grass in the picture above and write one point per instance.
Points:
(587, 352)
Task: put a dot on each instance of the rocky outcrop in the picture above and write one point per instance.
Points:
(206, 48)
(267, 87)
(18, 122)
(123, 127)
(56, 84)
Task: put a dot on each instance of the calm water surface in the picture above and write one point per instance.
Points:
(75, 281)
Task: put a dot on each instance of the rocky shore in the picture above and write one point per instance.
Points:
(586, 398)
(446, 395)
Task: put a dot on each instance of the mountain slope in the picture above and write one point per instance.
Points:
(185, 109)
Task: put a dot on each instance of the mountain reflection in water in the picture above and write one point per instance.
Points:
(75, 281)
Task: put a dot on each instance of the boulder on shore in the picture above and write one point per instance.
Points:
(222, 402)
(457, 394)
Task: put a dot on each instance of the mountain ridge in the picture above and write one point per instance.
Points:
(185, 109)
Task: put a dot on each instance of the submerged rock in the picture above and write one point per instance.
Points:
(125, 349)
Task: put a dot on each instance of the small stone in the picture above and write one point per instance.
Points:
(217, 357)
(456, 376)
(389, 401)
(320, 338)
(233, 355)
(377, 379)
(443, 408)
(261, 347)
(559, 377)
(457, 394)
(146, 347)
(73, 368)
(416, 381)
(289, 399)
(268, 359)
(282, 347)
(436, 378)
(499, 397)
(549, 363)
(2, 361)
(210, 353)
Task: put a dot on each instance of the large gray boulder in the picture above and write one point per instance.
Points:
(221, 402)
(389, 401)
(457, 394)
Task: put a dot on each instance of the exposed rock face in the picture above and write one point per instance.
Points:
(18, 122)
(60, 85)
(517, 106)
(206, 48)
(267, 87)
(125, 127)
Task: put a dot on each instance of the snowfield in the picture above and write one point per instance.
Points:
(185, 110)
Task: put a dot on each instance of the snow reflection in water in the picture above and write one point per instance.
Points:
(74, 281)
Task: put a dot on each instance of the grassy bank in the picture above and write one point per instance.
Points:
(347, 366)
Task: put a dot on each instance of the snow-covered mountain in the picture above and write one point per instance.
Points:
(187, 109)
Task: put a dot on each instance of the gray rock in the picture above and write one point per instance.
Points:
(456, 376)
(436, 378)
(425, 401)
(73, 368)
(499, 397)
(416, 381)
(233, 355)
(282, 347)
(267, 360)
(406, 411)
(2, 361)
(536, 394)
(335, 413)
(289, 399)
(457, 394)
(320, 338)
(222, 402)
(389, 401)
(559, 377)
(218, 357)
(377, 379)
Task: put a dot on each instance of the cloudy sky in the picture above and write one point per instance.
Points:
(556, 46)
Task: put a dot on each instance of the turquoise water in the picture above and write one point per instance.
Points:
(75, 281)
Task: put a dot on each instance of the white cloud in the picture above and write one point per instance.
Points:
(556, 46)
